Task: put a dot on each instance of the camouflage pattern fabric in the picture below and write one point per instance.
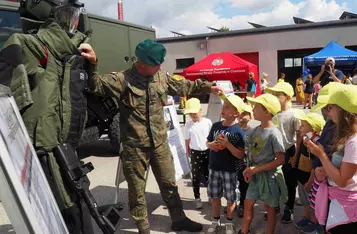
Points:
(144, 133)
(142, 121)
(135, 163)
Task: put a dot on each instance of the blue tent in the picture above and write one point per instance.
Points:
(333, 49)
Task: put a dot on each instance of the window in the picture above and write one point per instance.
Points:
(184, 63)
(297, 62)
(9, 24)
(293, 62)
(288, 62)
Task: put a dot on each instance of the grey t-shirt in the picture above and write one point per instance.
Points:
(288, 126)
(262, 145)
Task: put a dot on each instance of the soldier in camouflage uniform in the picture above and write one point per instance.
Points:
(142, 91)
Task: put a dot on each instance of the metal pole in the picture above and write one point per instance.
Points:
(207, 38)
(117, 180)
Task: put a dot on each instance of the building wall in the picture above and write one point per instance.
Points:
(267, 45)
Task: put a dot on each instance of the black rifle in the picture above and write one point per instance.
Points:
(74, 172)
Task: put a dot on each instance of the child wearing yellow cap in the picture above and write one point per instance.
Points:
(226, 144)
(311, 126)
(245, 117)
(243, 122)
(265, 155)
(289, 126)
(195, 134)
(340, 171)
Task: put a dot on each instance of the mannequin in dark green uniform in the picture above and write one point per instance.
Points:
(31, 65)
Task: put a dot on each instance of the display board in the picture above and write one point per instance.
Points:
(176, 142)
(24, 190)
(215, 102)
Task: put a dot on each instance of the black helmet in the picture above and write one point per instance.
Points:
(65, 12)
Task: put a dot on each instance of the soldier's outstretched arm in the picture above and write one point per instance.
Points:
(178, 85)
(111, 84)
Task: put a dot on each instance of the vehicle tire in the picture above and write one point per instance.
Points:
(89, 135)
(114, 133)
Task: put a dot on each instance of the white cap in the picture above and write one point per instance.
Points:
(330, 59)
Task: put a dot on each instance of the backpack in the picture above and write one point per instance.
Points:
(254, 88)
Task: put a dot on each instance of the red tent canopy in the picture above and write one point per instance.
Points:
(223, 66)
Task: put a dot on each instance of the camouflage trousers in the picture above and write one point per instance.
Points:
(135, 163)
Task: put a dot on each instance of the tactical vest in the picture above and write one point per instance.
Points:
(47, 77)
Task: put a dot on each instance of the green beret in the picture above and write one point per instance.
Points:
(150, 52)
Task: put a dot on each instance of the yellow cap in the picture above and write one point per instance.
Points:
(192, 106)
(282, 87)
(316, 121)
(268, 101)
(236, 101)
(324, 95)
(248, 108)
(344, 96)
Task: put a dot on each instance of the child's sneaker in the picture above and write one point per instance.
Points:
(230, 229)
(198, 204)
(216, 224)
(288, 216)
(302, 223)
(240, 211)
(313, 228)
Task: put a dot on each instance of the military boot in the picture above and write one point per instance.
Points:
(186, 225)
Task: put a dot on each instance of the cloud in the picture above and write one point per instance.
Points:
(323, 10)
(255, 5)
(190, 17)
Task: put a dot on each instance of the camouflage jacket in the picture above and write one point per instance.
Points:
(141, 101)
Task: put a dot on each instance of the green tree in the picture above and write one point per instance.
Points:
(224, 29)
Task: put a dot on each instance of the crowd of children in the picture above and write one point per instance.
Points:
(290, 150)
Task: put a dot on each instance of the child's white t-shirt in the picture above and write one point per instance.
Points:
(197, 133)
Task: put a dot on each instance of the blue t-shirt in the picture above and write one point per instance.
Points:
(326, 140)
(224, 160)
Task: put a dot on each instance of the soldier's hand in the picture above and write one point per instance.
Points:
(88, 53)
(216, 90)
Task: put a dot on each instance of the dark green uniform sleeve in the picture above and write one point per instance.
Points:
(179, 86)
(14, 69)
(112, 84)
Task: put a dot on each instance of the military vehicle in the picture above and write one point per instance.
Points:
(114, 42)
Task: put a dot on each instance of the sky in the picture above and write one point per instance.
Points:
(193, 16)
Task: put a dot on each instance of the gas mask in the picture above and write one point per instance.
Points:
(68, 17)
